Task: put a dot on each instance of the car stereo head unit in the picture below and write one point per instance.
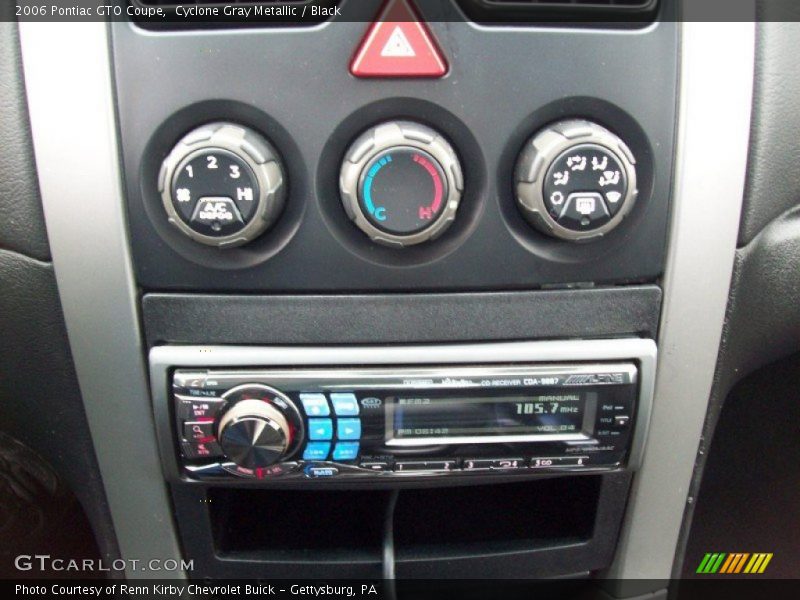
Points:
(401, 423)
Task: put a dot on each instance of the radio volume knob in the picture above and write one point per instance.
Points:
(255, 433)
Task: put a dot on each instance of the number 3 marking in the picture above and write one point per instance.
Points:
(235, 172)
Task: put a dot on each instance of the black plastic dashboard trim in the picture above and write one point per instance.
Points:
(313, 248)
(217, 319)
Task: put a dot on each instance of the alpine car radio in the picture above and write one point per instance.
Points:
(400, 423)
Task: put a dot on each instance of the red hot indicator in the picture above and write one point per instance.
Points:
(427, 212)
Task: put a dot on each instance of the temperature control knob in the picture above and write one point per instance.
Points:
(222, 185)
(401, 183)
(575, 180)
(261, 427)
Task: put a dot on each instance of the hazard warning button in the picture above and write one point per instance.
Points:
(398, 44)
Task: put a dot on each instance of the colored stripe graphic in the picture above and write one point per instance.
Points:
(754, 562)
(727, 564)
(743, 558)
(718, 563)
(758, 563)
(734, 563)
(704, 563)
(764, 564)
(711, 562)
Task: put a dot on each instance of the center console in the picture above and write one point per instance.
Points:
(370, 293)
(398, 273)
(322, 434)
(321, 297)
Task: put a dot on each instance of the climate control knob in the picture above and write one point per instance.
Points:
(401, 183)
(575, 180)
(222, 185)
(261, 427)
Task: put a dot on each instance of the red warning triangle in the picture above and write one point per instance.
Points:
(398, 44)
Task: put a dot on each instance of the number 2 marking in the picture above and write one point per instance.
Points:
(212, 162)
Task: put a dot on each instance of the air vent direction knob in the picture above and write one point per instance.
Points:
(575, 180)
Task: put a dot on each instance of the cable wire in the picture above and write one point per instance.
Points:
(388, 547)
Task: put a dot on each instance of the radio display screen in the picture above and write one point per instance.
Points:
(557, 413)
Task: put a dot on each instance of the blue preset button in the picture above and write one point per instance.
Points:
(315, 405)
(317, 451)
(320, 429)
(345, 451)
(348, 429)
(345, 405)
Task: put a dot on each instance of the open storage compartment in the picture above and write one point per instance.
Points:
(546, 527)
(552, 527)
(495, 518)
(323, 524)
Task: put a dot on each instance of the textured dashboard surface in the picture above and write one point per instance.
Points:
(763, 322)
(774, 153)
(21, 221)
(40, 403)
(752, 483)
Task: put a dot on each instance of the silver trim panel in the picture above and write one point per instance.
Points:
(717, 62)
(73, 122)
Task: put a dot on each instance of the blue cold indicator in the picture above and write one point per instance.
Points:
(380, 212)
